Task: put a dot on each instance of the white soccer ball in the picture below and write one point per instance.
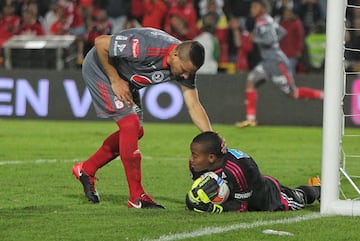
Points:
(223, 191)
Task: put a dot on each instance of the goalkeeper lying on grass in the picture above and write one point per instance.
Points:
(248, 189)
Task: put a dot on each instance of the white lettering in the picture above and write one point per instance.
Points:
(25, 93)
(79, 106)
(7, 84)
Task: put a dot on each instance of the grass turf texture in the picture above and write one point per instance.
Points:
(41, 200)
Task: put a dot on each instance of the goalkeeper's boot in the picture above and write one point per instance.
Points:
(145, 201)
(246, 123)
(88, 183)
(315, 182)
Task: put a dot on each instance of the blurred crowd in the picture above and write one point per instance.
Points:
(223, 26)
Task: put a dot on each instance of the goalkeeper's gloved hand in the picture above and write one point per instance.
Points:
(206, 188)
(200, 195)
(195, 204)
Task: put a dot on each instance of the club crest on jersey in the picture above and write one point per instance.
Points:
(140, 80)
(118, 103)
(158, 76)
(135, 48)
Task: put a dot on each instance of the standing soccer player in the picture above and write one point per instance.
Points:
(274, 65)
(114, 70)
(249, 189)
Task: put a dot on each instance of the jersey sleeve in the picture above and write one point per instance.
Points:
(233, 205)
(129, 46)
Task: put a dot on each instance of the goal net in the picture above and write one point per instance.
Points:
(340, 194)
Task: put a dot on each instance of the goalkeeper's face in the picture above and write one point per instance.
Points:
(201, 160)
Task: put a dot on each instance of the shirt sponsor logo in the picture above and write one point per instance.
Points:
(244, 195)
(121, 37)
(140, 80)
(135, 48)
(158, 76)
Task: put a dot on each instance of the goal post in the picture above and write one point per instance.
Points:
(333, 114)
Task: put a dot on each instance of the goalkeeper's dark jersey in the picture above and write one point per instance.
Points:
(249, 189)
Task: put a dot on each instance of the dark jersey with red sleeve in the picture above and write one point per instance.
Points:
(249, 189)
(140, 56)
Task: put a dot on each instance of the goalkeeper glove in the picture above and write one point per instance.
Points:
(195, 204)
(206, 188)
(200, 195)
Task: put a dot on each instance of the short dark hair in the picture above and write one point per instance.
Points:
(211, 142)
(192, 50)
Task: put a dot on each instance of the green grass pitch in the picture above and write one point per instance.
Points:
(42, 201)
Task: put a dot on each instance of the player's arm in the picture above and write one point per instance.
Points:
(118, 85)
(196, 111)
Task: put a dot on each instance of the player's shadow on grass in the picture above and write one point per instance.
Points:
(119, 199)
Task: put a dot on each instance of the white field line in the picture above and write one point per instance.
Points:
(41, 161)
(216, 230)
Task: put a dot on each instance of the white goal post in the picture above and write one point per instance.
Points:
(333, 113)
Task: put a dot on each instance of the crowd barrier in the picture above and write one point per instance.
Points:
(62, 95)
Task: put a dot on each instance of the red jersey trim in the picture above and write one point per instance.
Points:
(166, 55)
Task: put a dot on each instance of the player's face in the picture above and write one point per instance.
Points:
(256, 9)
(181, 68)
(199, 160)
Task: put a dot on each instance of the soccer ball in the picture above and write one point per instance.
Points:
(223, 191)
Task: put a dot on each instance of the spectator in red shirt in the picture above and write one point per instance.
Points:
(100, 26)
(292, 43)
(9, 23)
(29, 25)
(181, 20)
(58, 27)
(154, 13)
(75, 25)
(137, 9)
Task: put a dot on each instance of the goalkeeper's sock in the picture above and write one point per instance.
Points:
(250, 104)
(106, 153)
(308, 93)
(130, 154)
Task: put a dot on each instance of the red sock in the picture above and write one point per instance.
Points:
(250, 104)
(106, 153)
(308, 93)
(130, 154)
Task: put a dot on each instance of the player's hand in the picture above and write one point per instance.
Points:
(195, 204)
(204, 189)
(122, 91)
(223, 145)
